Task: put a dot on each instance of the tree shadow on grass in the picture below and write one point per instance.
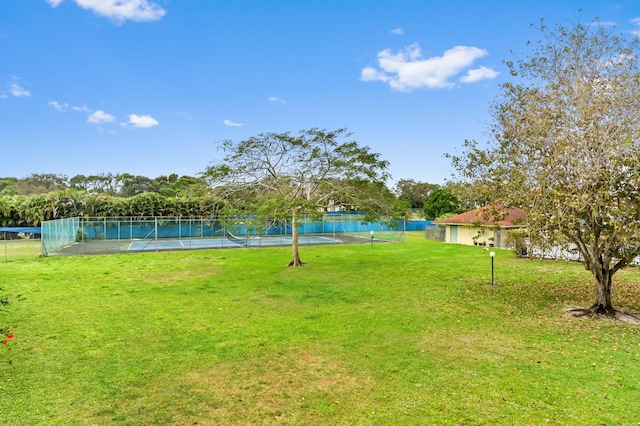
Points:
(616, 315)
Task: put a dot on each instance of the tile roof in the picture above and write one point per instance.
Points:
(486, 216)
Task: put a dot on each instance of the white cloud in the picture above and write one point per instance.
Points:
(142, 121)
(408, 69)
(82, 108)
(397, 31)
(232, 124)
(15, 89)
(18, 91)
(120, 10)
(477, 74)
(185, 115)
(65, 106)
(274, 99)
(57, 106)
(100, 117)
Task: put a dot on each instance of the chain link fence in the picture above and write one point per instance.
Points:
(116, 234)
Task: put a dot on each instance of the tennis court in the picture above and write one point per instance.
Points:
(229, 242)
(126, 234)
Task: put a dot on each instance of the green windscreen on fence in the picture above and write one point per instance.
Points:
(58, 233)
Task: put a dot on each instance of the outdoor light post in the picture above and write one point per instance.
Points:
(371, 234)
(493, 283)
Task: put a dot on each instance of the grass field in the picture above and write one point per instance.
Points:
(394, 334)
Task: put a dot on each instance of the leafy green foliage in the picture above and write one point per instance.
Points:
(32, 210)
(135, 185)
(414, 193)
(8, 186)
(41, 183)
(441, 202)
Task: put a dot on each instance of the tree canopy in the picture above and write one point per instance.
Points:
(414, 193)
(565, 148)
(441, 201)
(280, 174)
(113, 184)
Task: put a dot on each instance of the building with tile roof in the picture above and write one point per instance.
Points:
(487, 226)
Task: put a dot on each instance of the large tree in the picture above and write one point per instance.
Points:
(131, 185)
(103, 183)
(414, 193)
(566, 148)
(441, 201)
(8, 186)
(284, 174)
(41, 183)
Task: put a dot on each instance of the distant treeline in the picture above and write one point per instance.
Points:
(30, 201)
(32, 210)
(39, 197)
(117, 185)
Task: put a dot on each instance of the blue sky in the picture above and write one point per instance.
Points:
(148, 87)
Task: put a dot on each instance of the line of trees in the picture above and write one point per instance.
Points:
(16, 210)
(40, 197)
(117, 185)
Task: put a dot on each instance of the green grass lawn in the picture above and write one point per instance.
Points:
(391, 334)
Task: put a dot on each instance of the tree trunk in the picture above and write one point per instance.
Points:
(295, 254)
(603, 305)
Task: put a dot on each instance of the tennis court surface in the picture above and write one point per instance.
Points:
(168, 244)
(229, 242)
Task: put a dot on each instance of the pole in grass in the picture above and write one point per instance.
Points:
(371, 235)
(493, 282)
